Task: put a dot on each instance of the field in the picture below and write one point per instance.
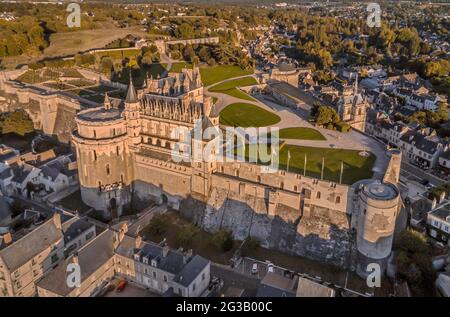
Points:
(230, 89)
(70, 43)
(301, 133)
(247, 115)
(356, 167)
(212, 75)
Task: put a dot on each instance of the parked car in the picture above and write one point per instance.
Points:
(255, 268)
(121, 286)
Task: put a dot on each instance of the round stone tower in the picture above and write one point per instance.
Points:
(103, 158)
(378, 205)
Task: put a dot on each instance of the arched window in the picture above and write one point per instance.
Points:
(295, 188)
(95, 155)
(281, 185)
(108, 170)
(318, 195)
(338, 199)
(117, 150)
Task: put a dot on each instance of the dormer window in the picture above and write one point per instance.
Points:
(154, 263)
(136, 257)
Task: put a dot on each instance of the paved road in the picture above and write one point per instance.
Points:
(421, 174)
(234, 279)
(353, 140)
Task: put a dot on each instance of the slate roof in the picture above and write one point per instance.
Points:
(420, 142)
(446, 155)
(191, 270)
(74, 227)
(175, 262)
(275, 285)
(5, 210)
(90, 258)
(23, 250)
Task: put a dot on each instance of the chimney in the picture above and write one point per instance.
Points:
(57, 220)
(7, 238)
(138, 241)
(442, 197)
(165, 250)
(75, 258)
(187, 256)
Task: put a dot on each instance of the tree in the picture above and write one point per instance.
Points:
(324, 115)
(16, 122)
(158, 225)
(188, 53)
(106, 65)
(413, 261)
(186, 235)
(223, 240)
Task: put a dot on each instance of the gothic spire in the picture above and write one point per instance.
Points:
(131, 94)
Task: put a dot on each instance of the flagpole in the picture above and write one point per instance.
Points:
(323, 163)
(288, 159)
(342, 170)
(304, 167)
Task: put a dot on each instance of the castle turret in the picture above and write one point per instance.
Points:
(103, 158)
(132, 115)
(377, 207)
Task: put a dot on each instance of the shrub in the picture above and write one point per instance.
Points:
(223, 239)
(343, 127)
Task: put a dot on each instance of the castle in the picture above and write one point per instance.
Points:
(125, 157)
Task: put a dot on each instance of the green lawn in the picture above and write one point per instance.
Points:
(156, 69)
(356, 167)
(301, 133)
(240, 82)
(212, 75)
(230, 89)
(178, 67)
(247, 115)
